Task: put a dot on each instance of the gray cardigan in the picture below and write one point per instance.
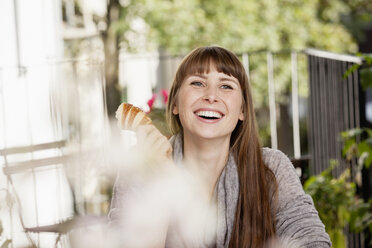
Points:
(297, 221)
(296, 217)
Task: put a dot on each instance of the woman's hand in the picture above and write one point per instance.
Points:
(153, 143)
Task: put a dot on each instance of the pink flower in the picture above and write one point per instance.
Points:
(152, 100)
(165, 96)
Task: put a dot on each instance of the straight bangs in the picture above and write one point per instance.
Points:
(202, 60)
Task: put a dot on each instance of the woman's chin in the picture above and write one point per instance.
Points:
(211, 135)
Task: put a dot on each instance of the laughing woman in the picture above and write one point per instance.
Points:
(257, 192)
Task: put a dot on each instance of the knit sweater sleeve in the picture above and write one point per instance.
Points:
(297, 221)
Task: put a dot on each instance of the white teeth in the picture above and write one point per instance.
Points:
(209, 114)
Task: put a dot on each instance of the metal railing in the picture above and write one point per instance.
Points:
(334, 107)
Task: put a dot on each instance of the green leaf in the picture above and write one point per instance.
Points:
(369, 141)
(368, 161)
(348, 147)
(368, 59)
(369, 132)
(351, 133)
(365, 150)
(338, 238)
(309, 182)
(350, 70)
(366, 78)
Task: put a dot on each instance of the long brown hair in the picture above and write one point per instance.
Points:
(254, 224)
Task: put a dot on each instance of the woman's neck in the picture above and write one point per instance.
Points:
(207, 158)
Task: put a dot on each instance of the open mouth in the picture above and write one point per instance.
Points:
(209, 115)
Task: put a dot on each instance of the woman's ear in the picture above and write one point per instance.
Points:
(175, 110)
(241, 116)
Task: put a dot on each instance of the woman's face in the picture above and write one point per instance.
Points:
(209, 105)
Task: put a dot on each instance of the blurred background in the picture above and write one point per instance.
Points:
(66, 65)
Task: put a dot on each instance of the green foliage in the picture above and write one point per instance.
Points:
(358, 145)
(357, 17)
(242, 25)
(350, 70)
(361, 216)
(365, 70)
(355, 146)
(337, 204)
(366, 77)
(334, 198)
(178, 26)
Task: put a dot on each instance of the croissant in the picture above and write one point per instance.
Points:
(130, 117)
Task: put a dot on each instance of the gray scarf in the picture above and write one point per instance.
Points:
(226, 191)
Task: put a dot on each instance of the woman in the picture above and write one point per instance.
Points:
(259, 197)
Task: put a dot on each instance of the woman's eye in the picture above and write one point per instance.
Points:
(197, 83)
(227, 87)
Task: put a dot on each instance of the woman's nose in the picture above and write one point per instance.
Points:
(210, 94)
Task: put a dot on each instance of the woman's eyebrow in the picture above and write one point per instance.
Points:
(230, 79)
(222, 78)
